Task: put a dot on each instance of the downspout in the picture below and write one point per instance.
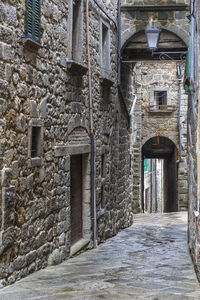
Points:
(119, 65)
(179, 75)
(156, 188)
(92, 138)
(151, 200)
(192, 55)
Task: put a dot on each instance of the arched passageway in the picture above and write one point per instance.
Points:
(159, 175)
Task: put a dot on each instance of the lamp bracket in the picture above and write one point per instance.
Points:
(168, 55)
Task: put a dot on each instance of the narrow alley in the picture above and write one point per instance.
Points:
(148, 260)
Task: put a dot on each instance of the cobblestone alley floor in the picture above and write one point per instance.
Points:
(149, 260)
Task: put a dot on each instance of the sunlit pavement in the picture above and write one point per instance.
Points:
(149, 260)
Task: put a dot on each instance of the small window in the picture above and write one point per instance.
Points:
(32, 20)
(76, 30)
(36, 142)
(160, 99)
(105, 48)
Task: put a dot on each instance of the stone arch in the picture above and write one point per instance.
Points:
(78, 122)
(163, 151)
(173, 28)
(172, 139)
(79, 135)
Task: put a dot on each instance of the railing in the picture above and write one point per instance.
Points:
(158, 108)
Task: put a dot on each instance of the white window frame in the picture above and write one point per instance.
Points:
(159, 89)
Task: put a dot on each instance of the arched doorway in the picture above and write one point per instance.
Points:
(159, 175)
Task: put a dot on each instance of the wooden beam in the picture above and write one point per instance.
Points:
(176, 7)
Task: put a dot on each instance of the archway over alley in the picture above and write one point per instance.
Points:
(159, 109)
(159, 175)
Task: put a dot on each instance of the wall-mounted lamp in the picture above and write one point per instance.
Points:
(152, 36)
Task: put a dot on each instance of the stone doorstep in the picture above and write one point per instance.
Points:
(82, 243)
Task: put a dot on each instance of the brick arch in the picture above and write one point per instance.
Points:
(177, 30)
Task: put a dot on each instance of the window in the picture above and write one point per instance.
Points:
(32, 20)
(36, 142)
(160, 99)
(76, 32)
(105, 46)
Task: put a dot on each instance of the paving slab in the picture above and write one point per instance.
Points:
(149, 260)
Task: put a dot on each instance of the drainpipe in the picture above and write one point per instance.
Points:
(192, 54)
(179, 75)
(151, 200)
(156, 190)
(119, 65)
(92, 138)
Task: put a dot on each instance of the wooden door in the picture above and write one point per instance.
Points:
(76, 198)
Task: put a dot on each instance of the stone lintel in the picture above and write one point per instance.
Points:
(176, 7)
(71, 150)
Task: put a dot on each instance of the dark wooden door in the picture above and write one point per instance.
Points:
(76, 198)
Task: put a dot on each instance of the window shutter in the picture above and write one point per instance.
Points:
(32, 20)
(37, 20)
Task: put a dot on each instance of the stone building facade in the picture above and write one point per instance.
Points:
(163, 121)
(193, 137)
(157, 75)
(45, 144)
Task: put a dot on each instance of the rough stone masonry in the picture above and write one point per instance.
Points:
(45, 121)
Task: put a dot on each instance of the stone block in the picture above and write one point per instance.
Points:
(23, 91)
(43, 108)
(8, 238)
(8, 207)
(33, 109)
(6, 176)
(21, 123)
(6, 52)
(30, 181)
(54, 258)
(6, 34)
(4, 91)
(31, 257)
(11, 15)
(19, 263)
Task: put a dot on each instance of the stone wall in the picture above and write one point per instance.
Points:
(160, 75)
(193, 154)
(41, 93)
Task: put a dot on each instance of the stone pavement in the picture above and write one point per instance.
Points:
(149, 260)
